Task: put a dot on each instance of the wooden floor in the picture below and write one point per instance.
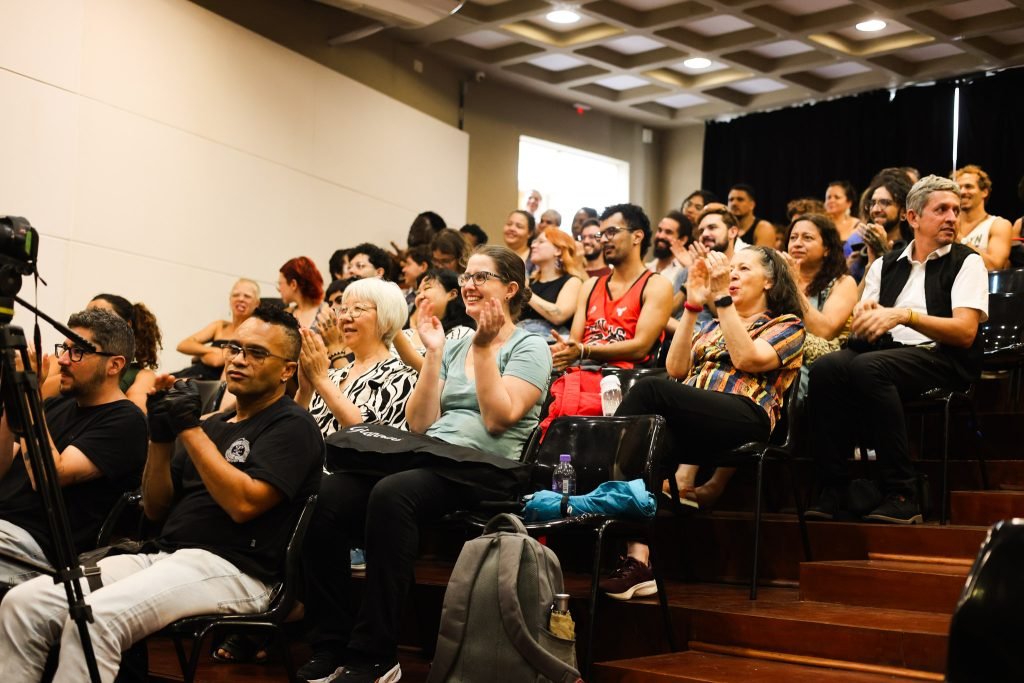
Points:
(874, 604)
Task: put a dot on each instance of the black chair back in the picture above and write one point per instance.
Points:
(1005, 325)
(984, 634)
(1009, 281)
(628, 377)
(285, 600)
(602, 449)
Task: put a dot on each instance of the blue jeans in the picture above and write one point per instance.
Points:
(140, 595)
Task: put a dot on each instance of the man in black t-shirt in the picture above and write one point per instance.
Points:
(98, 443)
(229, 496)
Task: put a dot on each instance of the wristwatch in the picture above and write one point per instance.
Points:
(723, 301)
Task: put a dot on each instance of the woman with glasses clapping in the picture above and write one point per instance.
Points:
(375, 386)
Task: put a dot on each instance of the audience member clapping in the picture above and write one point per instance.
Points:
(204, 345)
(438, 296)
(555, 283)
(734, 372)
(375, 385)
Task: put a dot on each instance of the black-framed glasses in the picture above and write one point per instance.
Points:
(479, 278)
(256, 355)
(884, 203)
(352, 311)
(608, 233)
(77, 353)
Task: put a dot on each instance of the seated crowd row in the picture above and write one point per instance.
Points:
(745, 322)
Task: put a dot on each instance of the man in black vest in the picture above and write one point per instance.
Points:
(914, 329)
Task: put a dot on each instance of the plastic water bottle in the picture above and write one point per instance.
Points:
(563, 479)
(611, 394)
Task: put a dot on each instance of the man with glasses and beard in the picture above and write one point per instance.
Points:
(620, 316)
(673, 235)
(228, 495)
(97, 440)
(884, 211)
(593, 254)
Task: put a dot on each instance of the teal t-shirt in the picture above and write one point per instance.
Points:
(525, 355)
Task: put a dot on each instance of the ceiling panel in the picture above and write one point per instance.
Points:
(627, 56)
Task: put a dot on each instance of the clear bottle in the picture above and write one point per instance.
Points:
(611, 394)
(563, 479)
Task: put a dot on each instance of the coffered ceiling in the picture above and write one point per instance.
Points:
(627, 56)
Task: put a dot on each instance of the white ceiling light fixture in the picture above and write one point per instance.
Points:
(563, 15)
(697, 63)
(871, 25)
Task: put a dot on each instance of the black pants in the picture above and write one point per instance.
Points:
(701, 423)
(382, 515)
(859, 396)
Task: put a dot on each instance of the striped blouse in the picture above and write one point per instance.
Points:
(712, 367)
(380, 393)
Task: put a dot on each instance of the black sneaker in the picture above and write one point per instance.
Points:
(631, 577)
(897, 509)
(372, 673)
(829, 505)
(323, 667)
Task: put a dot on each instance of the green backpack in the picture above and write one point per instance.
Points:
(496, 612)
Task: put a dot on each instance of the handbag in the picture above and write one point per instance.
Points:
(576, 392)
(379, 450)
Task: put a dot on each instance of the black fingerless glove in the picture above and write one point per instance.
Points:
(181, 407)
(159, 425)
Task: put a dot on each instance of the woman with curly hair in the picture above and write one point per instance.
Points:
(302, 289)
(138, 377)
(555, 283)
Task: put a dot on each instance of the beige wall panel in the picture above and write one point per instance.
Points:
(682, 162)
(42, 39)
(37, 153)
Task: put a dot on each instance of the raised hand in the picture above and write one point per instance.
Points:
(430, 330)
(719, 272)
(697, 282)
(330, 330)
(313, 362)
(491, 320)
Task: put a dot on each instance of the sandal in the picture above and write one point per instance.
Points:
(241, 649)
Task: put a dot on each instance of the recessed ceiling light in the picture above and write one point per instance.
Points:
(871, 25)
(697, 63)
(563, 16)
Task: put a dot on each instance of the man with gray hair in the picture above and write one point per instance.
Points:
(914, 329)
(549, 219)
(97, 441)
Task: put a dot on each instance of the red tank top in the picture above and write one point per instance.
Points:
(614, 320)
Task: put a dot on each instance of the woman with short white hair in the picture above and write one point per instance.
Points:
(375, 386)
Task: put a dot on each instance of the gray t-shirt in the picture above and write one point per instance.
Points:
(525, 355)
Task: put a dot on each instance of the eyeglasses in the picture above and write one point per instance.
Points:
(884, 203)
(608, 233)
(479, 278)
(594, 237)
(692, 205)
(352, 311)
(77, 353)
(255, 354)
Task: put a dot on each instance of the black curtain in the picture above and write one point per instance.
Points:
(796, 152)
(992, 136)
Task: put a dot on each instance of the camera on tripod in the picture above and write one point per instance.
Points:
(19, 249)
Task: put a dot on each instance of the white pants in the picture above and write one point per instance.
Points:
(17, 541)
(140, 595)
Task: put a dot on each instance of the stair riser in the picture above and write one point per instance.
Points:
(985, 508)
(923, 592)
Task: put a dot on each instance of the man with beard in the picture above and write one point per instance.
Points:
(885, 213)
(673, 235)
(620, 316)
(717, 230)
(549, 219)
(593, 254)
(753, 230)
(988, 235)
(97, 442)
(228, 495)
(914, 329)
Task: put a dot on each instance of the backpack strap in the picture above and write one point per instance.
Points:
(547, 664)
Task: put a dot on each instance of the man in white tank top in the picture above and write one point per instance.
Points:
(988, 235)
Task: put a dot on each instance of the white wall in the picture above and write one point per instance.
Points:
(682, 162)
(163, 151)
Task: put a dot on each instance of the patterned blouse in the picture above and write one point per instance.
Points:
(712, 367)
(380, 394)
